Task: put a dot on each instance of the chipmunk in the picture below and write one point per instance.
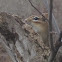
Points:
(40, 26)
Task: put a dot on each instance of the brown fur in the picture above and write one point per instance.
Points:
(40, 26)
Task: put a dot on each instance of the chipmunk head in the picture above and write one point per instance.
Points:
(39, 25)
(37, 21)
(35, 18)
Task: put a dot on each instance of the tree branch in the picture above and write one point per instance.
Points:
(50, 26)
(58, 44)
(38, 10)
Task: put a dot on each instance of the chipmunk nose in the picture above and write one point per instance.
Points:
(26, 21)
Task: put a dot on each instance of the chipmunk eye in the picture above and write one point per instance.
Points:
(36, 18)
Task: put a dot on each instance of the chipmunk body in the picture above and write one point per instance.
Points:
(40, 26)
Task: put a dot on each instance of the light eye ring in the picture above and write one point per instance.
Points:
(36, 18)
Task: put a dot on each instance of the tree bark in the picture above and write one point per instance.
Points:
(22, 40)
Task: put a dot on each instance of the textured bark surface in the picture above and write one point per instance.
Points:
(3, 54)
(27, 44)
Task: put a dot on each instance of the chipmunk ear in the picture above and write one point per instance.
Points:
(45, 14)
